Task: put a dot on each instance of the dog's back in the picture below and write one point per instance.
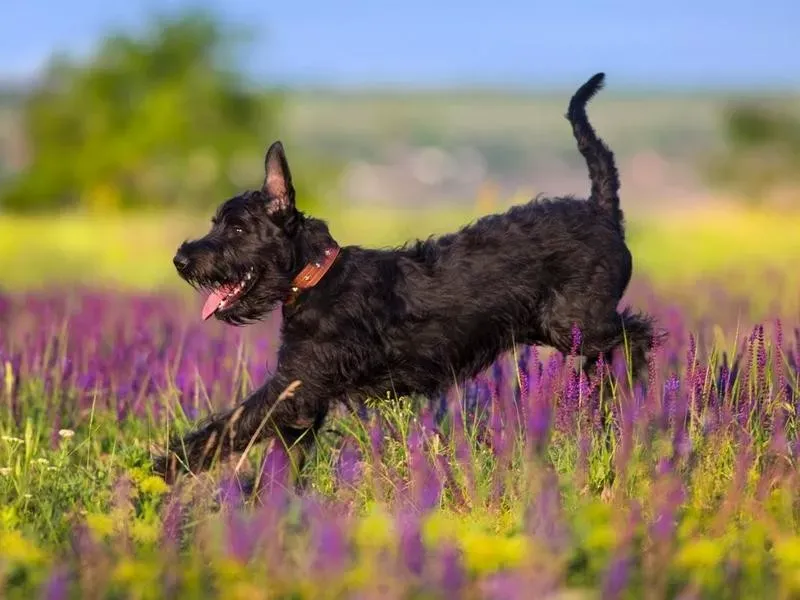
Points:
(528, 276)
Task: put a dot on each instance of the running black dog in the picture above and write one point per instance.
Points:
(358, 323)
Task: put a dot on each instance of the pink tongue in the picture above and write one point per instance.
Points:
(213, 300)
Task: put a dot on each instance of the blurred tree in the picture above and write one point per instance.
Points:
(762, 157)
(160, 119)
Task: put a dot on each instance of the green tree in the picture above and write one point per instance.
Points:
(762, 156)
(155, 119)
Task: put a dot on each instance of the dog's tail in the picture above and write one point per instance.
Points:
(599, 159)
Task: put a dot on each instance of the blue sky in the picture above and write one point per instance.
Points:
(711, 43)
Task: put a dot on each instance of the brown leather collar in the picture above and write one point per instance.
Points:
(312, 273)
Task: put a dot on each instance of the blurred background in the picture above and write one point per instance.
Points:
(122, 125)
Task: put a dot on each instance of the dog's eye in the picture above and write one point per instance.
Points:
(238, 230)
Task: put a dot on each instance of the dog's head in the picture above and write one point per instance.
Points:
(257, 243)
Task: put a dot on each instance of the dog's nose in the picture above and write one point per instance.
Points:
(181, 261)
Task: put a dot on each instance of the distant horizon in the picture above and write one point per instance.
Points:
(626, 89)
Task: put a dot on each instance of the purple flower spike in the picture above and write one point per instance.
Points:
(616, 577)
(57, 585)
(273, 484)
(242, 536)
(507, 586)
(376, 439)
(412, 550)
(544, 515)
(663, 525)
(331, 546)
(426, 482)
(171, 525)
(348, 469)
(538, 425)
(577, 338)
(499, 442)
(453, 576)
(230, 492)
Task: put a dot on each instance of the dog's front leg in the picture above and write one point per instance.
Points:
(281, 407)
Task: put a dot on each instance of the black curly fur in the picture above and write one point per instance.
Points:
(415, 319)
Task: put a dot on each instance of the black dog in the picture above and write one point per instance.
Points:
(358, 323)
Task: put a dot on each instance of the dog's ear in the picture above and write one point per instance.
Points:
(277, 180)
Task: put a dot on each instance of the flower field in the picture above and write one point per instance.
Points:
(528, 482)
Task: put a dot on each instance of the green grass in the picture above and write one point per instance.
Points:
(701, 243)
(135, 251)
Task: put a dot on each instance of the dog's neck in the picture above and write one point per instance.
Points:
(313, 272)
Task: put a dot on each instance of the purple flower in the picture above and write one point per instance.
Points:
(230, 492)
(576, 340)
(273, 481)
(412, 550)
(777, 347)
(663, 525)
(171, 524)
(241, 536)
(544, 515)
(331, 546)
(347, 467)
(426, 483)
(616, 576)
(499, 442)
(376, 439)
(453, 577)
(507, 586)
(691, 357)
(57, 585)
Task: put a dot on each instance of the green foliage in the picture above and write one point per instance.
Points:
(153, 119)
(762, 155)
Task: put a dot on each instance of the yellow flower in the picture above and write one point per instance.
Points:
(16, 548)
(602, 537)
(375, 530)
(791, 580)
(100, 524)
(484, 553)
(229, 570)
(8, 518)
(124, 571)
(358, 576)
(439, 527)
(135, 573)
(154, 485)
(144, 532)
(245, 591)
(702, 554)
(597, 512)
(787, 553)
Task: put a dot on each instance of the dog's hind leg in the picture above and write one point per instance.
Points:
(635, 335)
(630, 332)
(280, 406)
